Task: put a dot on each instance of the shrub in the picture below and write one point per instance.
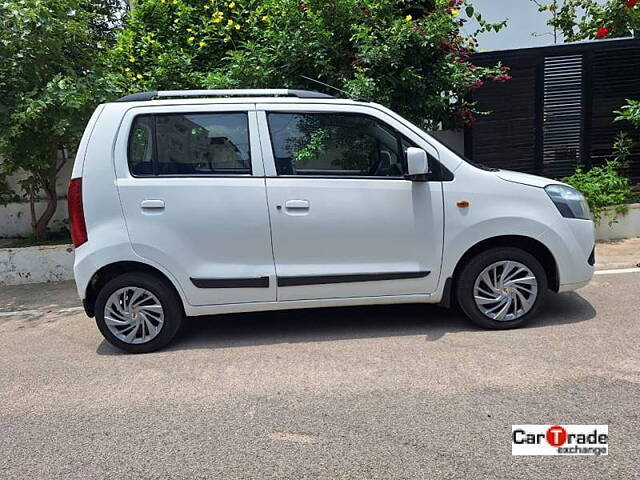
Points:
(606, 188)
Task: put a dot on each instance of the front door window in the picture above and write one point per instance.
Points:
(334, 144)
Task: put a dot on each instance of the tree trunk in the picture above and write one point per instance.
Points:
(52, 205)
(48, 179)
(32, 210)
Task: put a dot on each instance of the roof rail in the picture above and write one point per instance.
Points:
(256, 92)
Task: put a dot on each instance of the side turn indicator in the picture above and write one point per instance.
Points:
(462, 204)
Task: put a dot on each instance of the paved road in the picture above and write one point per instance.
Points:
(384, 392)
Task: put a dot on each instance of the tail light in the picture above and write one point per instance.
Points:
(76, 213)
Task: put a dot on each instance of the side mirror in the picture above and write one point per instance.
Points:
(418, 164)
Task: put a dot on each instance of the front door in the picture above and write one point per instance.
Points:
(194, 200)
(345, 222)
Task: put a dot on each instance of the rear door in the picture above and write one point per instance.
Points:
(192, 189)
(345, 222)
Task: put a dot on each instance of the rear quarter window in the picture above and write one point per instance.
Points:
(140, 151)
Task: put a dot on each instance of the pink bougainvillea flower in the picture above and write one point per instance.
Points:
(602, 32)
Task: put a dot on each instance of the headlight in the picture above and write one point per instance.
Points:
(569, 201)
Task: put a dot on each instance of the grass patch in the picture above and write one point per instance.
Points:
(55, 238)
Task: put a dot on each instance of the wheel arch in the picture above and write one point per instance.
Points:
(528, 244)
(100, 278)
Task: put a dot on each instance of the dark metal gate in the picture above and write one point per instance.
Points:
(557, 111)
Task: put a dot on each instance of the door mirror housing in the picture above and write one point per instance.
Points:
(417, 165)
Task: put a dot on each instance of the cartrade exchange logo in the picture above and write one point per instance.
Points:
(560, 440)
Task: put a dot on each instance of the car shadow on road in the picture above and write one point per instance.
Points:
(348, 323)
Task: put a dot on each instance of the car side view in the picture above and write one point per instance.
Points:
(186, 203)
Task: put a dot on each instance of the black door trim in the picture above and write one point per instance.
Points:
(359, 277)
(255, 282)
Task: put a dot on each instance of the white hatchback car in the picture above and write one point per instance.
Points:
(207, 202)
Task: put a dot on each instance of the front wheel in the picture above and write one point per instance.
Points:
(501, 288)
(138, 312)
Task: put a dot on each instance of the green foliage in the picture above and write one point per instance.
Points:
(409, 55)
(630, 113)
(49, 84)
(606, 188)
(594, 19)
(622, 147)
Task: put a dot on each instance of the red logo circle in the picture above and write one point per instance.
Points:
(556, 436)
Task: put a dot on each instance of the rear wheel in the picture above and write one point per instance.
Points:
(138, 312)
(501, 288)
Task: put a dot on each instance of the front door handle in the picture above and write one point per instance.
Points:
(152, 204)
(297, 204)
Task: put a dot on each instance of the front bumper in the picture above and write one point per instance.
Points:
(571, 242)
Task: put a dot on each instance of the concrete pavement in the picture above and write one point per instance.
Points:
(407, 391)
(618, 254)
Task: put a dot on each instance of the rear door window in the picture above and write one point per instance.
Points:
(190, 144)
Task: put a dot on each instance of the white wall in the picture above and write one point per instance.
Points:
(15, 219)
(627, 226)
(49, 263)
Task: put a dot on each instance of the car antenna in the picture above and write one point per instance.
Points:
(333, 88)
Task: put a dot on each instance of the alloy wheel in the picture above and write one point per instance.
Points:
(134, 315)
(505, 290)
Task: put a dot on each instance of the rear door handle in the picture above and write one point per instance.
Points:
(297, 204)
(152, 204)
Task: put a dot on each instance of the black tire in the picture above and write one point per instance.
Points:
(474, 267)
(166, 295)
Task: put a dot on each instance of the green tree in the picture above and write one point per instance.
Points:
(50, 81)
(593, 19)
(409, 55)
